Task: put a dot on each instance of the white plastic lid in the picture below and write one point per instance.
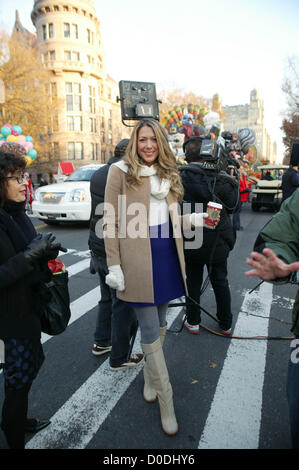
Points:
(215, 204)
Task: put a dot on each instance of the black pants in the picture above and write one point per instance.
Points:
(218, 277)
(116, 322)
(14, 415)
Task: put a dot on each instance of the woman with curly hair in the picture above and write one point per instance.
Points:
(24, 259)
(144, 247)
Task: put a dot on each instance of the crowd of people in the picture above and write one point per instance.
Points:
(144, 209)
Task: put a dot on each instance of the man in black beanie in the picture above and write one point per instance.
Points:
(116, 322)
(290, 181)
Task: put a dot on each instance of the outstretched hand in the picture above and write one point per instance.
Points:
(268, 266)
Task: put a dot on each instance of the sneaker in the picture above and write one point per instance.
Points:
(134, 361)
(99, 350)
(226, 332)
(193, 329)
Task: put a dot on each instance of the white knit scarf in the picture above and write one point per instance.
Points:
(158, 190)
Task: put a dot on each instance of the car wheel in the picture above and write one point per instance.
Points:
(255, 207)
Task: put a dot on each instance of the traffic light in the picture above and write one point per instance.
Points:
(138, 100)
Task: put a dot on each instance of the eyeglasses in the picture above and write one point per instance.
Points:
(19, 179)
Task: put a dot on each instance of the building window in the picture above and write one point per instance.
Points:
(67, 55)
(76, 56)
(102, 118)
(93, 125)
(51, 30)
(52, 55)
(75, 150)
(103, 137)
(88, 35)
(67, 30)
(53, 89)
(75, 31)
(74, 123)
(73, 97)
(44, 31)
(93, 155)
(92, 99)
(56, 150)
(109, 138)
(110, 120)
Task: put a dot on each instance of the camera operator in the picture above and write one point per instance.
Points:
(203, 181)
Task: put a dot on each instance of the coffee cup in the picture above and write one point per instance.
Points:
(213, 211)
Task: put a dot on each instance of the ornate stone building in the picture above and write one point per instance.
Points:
(88, 124)
(252, 115)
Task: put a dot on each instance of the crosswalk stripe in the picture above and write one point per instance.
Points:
(77, 421)
(235, 416)
(79, 266)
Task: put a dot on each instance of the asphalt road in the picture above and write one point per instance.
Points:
(229, 393)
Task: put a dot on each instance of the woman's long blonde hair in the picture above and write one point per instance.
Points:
(165, 164)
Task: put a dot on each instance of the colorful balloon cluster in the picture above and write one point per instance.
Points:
(175, 116)
(13, 134)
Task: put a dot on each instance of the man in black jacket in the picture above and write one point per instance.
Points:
(290, 181)
(116, 322)
(202, 186)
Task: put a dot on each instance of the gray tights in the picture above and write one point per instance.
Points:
(150, 319)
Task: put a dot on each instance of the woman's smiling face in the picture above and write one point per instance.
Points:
(147, 146)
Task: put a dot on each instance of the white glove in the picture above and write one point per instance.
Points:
(197, 220)
(115, 279)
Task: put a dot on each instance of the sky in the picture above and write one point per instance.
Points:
(227, 47)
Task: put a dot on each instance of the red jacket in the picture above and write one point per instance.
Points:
(244, 185)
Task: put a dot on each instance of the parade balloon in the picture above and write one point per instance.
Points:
(32, 154)
(21, 137)
(5, 131)
(28, 160)
(28, 146)
(15, 133)
(28, 138)
(17, 129)
(22, 142)
(11, 138)
(8, 125)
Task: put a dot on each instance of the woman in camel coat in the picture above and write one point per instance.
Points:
(144, 247)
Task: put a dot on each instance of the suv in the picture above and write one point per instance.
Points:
(268, 192)
(69, 201)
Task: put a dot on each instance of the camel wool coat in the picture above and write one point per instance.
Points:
(124, 208)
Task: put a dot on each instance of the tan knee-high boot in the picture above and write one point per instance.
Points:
(159, 379)
(149, 394)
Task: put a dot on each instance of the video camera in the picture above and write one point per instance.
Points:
(214, 156)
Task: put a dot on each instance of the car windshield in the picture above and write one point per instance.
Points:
(272, 173)
(83, 174)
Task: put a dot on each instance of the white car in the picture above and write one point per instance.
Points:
(69, 201)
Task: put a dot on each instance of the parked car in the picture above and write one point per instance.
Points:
(268, 192)
(69, 201)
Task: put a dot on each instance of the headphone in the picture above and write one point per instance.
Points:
(194, 139)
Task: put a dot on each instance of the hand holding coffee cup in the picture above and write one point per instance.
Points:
(197, 219)
(213, 210)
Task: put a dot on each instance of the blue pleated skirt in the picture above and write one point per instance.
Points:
(167, 276)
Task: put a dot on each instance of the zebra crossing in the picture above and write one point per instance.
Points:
(75, 424)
